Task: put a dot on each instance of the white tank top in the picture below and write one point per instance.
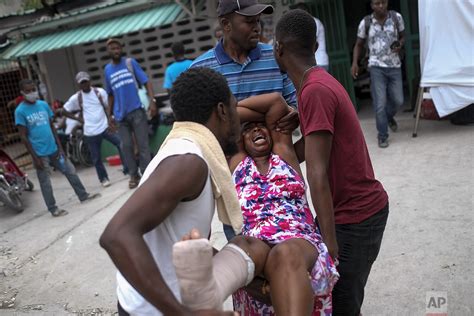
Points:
(197, 213)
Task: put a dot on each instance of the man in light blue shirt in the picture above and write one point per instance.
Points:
(33, 119)
(177, 67)
(248, 65)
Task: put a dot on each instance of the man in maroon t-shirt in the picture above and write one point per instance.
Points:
(351, 205)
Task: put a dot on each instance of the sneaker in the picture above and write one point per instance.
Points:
(393, 125)
(59, 212)
(383, 143)
(106, 183)
(91, 197)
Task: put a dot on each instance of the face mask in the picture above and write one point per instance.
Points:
(31, 97)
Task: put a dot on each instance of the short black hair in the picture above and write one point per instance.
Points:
(196, 92)
(297, 29)
(24, 82)
(302, 6)
(177, 48)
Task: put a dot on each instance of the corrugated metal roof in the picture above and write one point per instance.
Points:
(154, 17)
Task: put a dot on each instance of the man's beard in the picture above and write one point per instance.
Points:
(230, 148)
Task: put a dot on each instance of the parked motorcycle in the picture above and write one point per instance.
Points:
(13, 182)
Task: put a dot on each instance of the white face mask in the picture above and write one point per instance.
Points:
(31, 97)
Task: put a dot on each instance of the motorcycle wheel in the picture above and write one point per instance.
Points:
(11, 200)
(84, 154)
(29, 185)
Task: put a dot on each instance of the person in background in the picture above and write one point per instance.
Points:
(15, 102)
(384, 32)
(33, 118)
(322, 58)
(218, 32)
(123, 77)
(175, 68)
(90, 103)
(263, 39)
(351, 205)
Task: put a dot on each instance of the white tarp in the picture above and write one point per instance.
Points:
(447, 52)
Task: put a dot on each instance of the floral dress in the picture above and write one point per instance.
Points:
(275, 209)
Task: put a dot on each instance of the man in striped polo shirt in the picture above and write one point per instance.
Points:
(248, 65)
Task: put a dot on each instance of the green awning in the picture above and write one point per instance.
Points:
(154, 17)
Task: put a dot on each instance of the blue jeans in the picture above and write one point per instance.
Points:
(228, 232)
(359, 246)
(135, 123)
(386, 87)
(95, 144)
(66, 168)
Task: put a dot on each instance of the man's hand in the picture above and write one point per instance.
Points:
(355, 70)
(112, 125)
(397, 49)
(288, 123)
(152, 109)
(38, 163)
(333, 248)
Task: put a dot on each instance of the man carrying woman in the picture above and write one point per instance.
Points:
(271, 191)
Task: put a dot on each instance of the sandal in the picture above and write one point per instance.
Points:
(133, 182)
(59, 212)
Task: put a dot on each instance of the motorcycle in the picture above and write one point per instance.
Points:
(13, 182)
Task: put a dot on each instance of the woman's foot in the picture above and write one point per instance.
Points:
(192, 259)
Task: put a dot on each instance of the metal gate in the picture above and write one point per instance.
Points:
(10, 74)
(331, 14)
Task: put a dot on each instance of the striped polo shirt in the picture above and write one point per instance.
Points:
(259, 74)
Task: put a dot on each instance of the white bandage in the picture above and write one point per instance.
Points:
(206, 281)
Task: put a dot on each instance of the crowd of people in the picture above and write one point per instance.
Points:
(231, 149)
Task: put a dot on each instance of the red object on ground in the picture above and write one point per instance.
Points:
(114, 160)
(428, 110)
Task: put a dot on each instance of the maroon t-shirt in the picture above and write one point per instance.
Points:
(324, 105)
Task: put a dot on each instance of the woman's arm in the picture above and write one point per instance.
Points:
(271, 108)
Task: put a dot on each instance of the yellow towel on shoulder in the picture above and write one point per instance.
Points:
(228, 207)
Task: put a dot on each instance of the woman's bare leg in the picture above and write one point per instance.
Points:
(287, 270)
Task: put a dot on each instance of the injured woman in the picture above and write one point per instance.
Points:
(298, 273)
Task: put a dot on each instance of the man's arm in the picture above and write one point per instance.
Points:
(299, 149)
(110, 111)
(152, 105)
(110, 103)
(56, 137)
(317, 153)
(401, 39)
(358, 47)
(153, 201)
(38, 163)
(72, 115)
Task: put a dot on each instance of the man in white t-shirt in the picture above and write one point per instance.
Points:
(91, 103)
(174, 196)
(322, 58)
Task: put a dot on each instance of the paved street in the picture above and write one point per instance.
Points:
(55, 265)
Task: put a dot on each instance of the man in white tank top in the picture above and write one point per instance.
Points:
(174, 196)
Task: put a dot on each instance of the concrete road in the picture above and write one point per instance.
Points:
(54, 266)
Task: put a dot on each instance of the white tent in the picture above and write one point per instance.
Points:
(447, 52)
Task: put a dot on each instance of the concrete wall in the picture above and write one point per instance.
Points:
(58, 70)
